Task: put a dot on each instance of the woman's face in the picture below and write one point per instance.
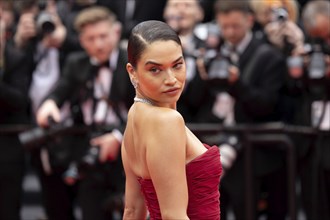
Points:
(161, 73)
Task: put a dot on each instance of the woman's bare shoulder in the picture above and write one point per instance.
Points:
(165, 126)
(156, 121)
(166, 117)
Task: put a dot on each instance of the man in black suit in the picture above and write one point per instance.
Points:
(254, 82)
(14, 102)
(15, 83)
(96, 85)
(313, 110)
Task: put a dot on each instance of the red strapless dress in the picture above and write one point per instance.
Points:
(203, 177)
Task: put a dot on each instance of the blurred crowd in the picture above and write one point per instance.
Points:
(62, 66)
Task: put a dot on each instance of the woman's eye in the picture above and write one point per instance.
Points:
(177, 65)
(154, 70)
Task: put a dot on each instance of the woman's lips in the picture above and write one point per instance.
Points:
(172, 91)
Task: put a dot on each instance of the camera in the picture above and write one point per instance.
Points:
(280, 14)
(90, 159)
(217, 67)
(45, 23)
(312, 64)
(87, 162)
(317, 64)
(35, 137)
(78, 169)
(316, 67)
(44, 20)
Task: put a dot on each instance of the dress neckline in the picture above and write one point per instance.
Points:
(190, 162)
(208, 148)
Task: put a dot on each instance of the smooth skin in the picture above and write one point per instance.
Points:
(157, 145)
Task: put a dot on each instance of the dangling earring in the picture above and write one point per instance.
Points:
(135, 84)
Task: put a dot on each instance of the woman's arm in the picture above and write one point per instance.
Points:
(135, 207)
(166, 161)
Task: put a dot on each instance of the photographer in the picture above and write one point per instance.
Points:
(312, 86)
(254, 75)
(96, 82)
(40, 33)
(276, 23)
(14, 102)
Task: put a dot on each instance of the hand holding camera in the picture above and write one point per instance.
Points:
(48, 109)
(50, 27)
(285, 34)
(102, 148)
(312, 64)
(45, 26)
(220, 68)
(109, 146)
(52, 30)
(26, 30)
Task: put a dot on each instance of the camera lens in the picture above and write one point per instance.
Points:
(280, 14)
(219, 69)
(45, 23)
(317, 66)
(33, 137)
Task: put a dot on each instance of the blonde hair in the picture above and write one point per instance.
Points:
(291, 6)
(93, 15)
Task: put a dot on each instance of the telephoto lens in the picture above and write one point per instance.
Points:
(45, 23)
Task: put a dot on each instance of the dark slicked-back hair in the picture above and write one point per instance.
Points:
(146, 33)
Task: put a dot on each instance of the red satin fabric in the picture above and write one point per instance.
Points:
(203, 177)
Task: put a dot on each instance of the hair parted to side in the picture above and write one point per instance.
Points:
(93, 15)
(146, 33)
(226, 6)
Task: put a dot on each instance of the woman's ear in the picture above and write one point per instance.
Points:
(132, 74)
(130, 69)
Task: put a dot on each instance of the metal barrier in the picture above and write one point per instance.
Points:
(270, 134)
(288, 147)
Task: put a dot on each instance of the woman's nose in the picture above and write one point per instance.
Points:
(170, 78)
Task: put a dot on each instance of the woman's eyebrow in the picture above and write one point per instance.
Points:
(158, 64)
(178, 59)
(152, 63)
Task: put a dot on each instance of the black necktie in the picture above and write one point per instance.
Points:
(104, 64)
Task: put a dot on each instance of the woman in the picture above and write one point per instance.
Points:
(167, 168)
